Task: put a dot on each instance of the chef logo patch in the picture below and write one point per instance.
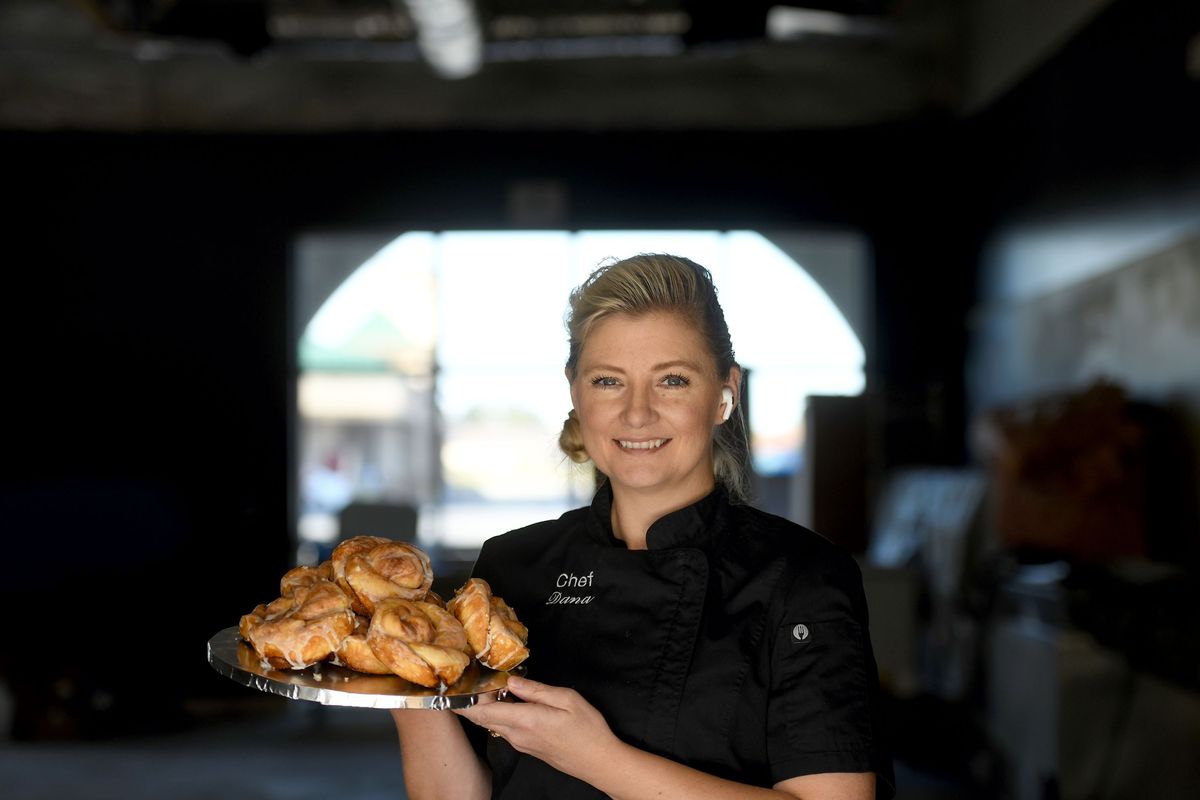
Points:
(801, 633)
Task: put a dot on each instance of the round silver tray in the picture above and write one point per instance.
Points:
(333, 685)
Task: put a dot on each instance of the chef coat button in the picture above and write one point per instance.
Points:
(800, 633)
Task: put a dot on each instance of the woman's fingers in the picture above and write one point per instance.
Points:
(538, 698)
(544, 693)
(504, 716)
(554, 724)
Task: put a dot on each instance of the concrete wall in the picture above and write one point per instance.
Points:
(1135, 322)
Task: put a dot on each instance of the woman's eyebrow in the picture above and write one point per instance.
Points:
(601, 368)
(678, 363)
(655, 368)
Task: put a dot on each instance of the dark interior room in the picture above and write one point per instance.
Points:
(992, 207)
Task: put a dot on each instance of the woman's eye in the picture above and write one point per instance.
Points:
(604, 380)
(675, 380)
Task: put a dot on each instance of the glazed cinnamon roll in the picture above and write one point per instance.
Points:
(302, 628)
(293, 580)
(356, 545)
(389, 570)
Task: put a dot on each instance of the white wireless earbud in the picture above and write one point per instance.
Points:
(727, 396)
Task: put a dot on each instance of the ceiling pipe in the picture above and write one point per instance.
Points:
(448, 35)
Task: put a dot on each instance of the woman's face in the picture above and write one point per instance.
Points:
(647, 397)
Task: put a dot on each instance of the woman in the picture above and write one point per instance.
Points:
(685, 644)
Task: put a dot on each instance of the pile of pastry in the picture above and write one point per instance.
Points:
(369, 607)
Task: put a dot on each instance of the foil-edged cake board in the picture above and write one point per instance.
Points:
(333, 685)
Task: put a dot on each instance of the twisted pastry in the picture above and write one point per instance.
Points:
(301, 628)
(419, 641)
(390, 570)
(341, 554)
(496, 636)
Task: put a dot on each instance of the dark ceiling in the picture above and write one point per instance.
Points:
(361, 65)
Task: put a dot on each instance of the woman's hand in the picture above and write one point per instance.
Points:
(554, 724)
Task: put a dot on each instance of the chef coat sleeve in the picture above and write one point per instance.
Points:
(823, 702)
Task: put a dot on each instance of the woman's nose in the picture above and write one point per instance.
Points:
(639, 407)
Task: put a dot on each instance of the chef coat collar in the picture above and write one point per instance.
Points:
(699, 525)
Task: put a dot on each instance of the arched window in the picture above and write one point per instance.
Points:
(432, 374)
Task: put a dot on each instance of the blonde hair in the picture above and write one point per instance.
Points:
(647, 283)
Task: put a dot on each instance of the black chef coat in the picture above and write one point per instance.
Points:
(736, 643)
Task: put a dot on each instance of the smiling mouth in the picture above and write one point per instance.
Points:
(649, 444)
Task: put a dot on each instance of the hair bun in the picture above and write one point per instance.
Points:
(570, 441)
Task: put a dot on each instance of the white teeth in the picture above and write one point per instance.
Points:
(650, 445)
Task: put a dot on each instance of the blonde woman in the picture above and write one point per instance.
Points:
(684, 644)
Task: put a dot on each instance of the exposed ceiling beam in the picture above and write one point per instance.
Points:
(1007, 39)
